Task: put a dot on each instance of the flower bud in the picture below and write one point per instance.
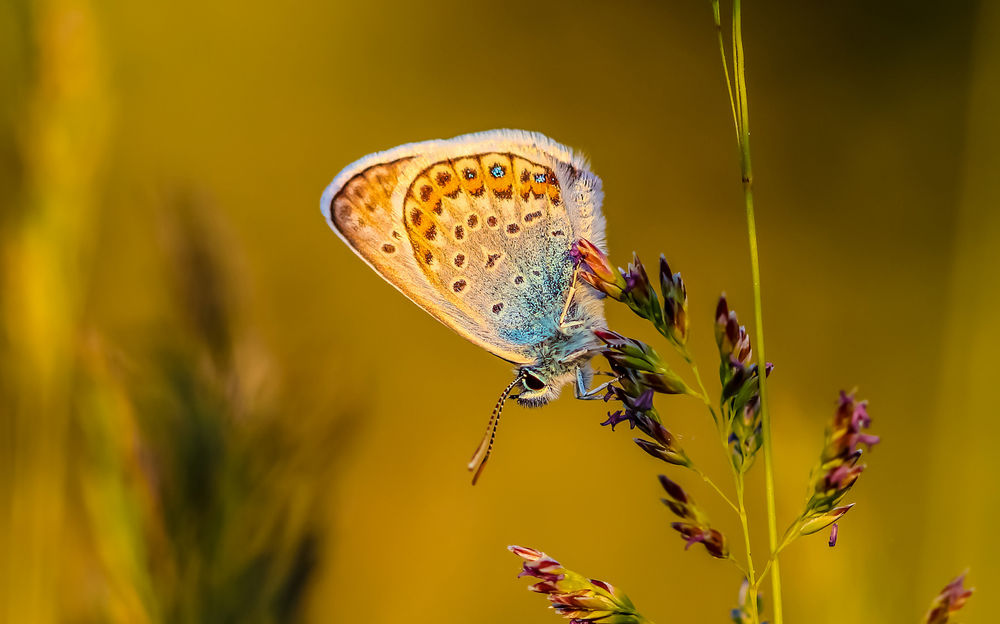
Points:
(821, 521)
(675, 304)
(839, 468)
(668, 454)
(640, 363)
(951, 599)
(602, 276)
(596, 260)
(608, 288)
(695, 528)
(574, 596)
(732, 339)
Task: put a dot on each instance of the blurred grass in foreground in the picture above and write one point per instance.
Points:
(158, 484)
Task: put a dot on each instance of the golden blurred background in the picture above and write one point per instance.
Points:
(213, 412)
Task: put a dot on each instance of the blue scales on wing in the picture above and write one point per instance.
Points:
(492, 232)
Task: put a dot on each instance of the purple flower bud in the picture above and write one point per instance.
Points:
(713, 541)
(575, 596)
(542, 587)
(734, 350)
(610, 289)
(834, 529)
(721, 311)
(639, 363)
(617, 418)
(951, 599)
(867, 439)
(665, 382)
(674, 491)
(838, 468)
(637, 280)
(665, 453)
(695, 528)
(645, 402)
(544, 569)
(843, 476)
(674, 304)
(596, 261)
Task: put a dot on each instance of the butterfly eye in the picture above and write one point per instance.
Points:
(533, 383)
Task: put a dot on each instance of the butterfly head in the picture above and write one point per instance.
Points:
(543, 382)
(539, 386)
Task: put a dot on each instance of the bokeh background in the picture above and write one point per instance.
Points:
(211, 411)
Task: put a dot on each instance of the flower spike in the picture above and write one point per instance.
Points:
(675, 305)
(951, 599)
(838, 468)
(573, 596)
(694, 528)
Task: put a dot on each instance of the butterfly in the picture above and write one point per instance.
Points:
(479, 231)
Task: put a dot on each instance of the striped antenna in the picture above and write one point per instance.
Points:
(478, 461)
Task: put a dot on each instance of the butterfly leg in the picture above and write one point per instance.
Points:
(580, 390)
(563, 325)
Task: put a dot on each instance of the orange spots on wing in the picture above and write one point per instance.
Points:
(534, 215)
(498, 174)
(461, 214)
(470, 176)
(415, 216)
(427, 193)
(530, 179)
(341, 209)
(542, 179)
(445, 179)
(553, 189)
(361, 210)
(522, 177)
(379, 182)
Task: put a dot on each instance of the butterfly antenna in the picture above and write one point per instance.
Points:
(478, 461)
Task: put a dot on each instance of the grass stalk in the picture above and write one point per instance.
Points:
(747, 177)
(744, 523)
(737, 91)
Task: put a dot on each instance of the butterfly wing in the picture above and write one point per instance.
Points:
(476, 230)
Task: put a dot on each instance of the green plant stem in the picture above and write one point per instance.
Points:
(790, 535)
(722, 430)
(747, 177)
(739, 508)
(709, 481)
(751, 576)
(725, 66)
(701, 388)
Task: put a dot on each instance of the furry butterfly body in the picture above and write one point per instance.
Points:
(478, 231)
